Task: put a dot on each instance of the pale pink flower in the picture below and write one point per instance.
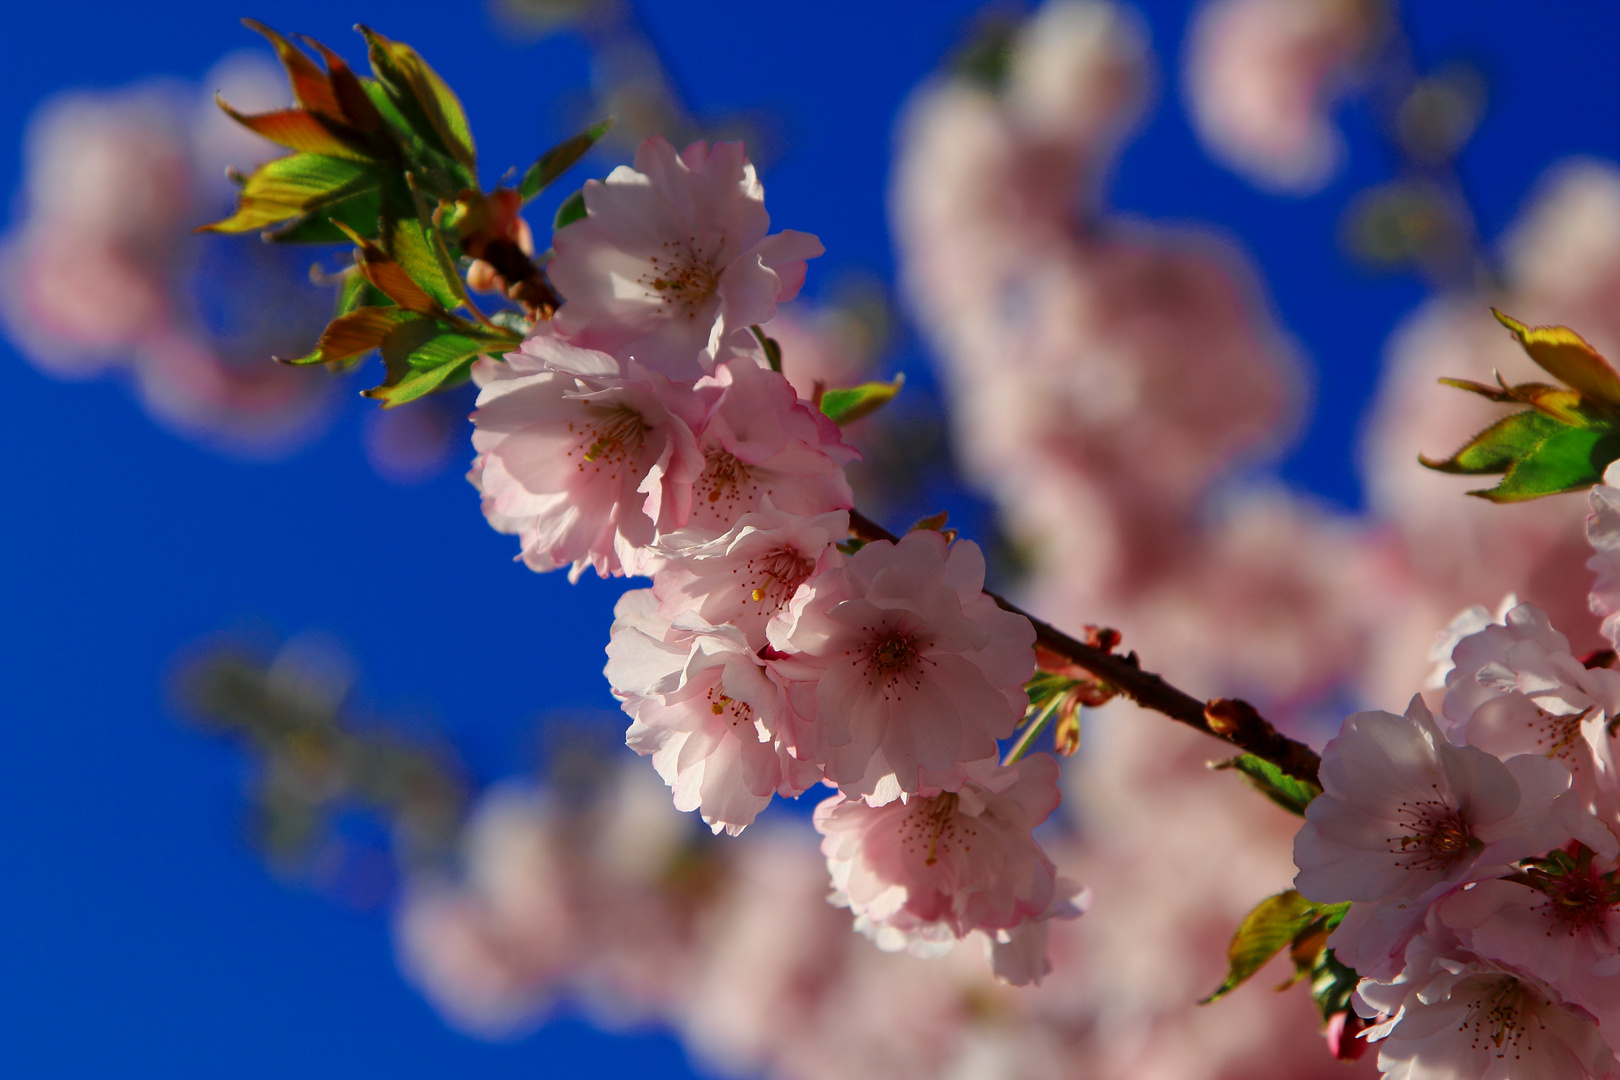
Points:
(1262, 76)
(584, 459)
(747, 576)
(1405, 816)
(1566, 937)
(712, 714)
(1515, 688)
(672, 263)
(916, 670)
(493, 951)
(760, 442)
(1454, 1015)
(922, 873)
(1603, 533)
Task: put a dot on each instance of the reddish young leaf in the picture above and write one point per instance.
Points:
(1565, 354)
(356, 334)
(299, 130)
(311, 88)
(355, 104)
(388, 275)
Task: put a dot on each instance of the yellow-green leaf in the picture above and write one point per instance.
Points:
(1274, 923)
(390, 277)
(1495, 449)
(423, 98)
(294, 186)
(849, 403)
(350, 336)
(1566, 356)
(422, 357)
(559, 159)
(1288, 792)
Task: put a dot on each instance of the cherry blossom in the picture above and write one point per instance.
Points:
(759, 441)
(1566, 934)
(582, 458)
(712, 714)
(1515, 688)
(1454, 1015)
(1603, 532)
(747, 576)
(1406, 816)
(672, 263)
(922, 873)
(916, 670)
(1261, 77)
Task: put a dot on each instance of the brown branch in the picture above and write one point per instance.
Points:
(1232, 721)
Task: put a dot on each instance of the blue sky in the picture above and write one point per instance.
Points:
(139, 935)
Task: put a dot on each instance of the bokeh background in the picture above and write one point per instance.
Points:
(143, 935)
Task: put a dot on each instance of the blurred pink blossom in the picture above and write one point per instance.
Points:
(1262, 77)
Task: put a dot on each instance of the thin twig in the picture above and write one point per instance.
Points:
(1232, 721)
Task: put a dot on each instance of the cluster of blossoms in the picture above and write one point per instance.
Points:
(1480, 850)
(642, 431)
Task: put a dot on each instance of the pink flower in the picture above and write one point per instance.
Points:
(759, 441)
(672, 264)
(1515, 688)
(916, 670)
(1261, 76)
(923, 873)
(1567, 936)
(714, 717)
(583, 460)
(1603, 533)
(1405, 816)
(1457, 1016)
(747, 576)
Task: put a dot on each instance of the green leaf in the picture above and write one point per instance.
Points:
(407, 234)
(390, 278)
(423, 355)
(358, 292)
(1568, 460)
(1288, 792)
(297, 186)
(1332, 983)
(424, 100)
(571, 210)
(853, 402)
(773, 348)
(1495, 449)
(1274, 923)
(350, 336)
(559, 159)
(359, 212)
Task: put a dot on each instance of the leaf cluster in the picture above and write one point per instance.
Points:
(387, 161)
(1288, 920)
(1563, 440)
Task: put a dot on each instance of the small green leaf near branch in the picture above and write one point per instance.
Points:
(1285, 920)
(849, 403)
(559, 159)
(1288, 792)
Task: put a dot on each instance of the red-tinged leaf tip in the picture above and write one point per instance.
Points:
(311, 89)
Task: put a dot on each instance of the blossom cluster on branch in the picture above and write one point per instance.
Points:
(644, 430)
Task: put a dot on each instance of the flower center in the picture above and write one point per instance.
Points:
(610, 439)
(720, 704)
(932, 828)
(1559, 736)
(778, 575)
(1436, 835)
(1497, 1016)
(891, 658)
(682, 278)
